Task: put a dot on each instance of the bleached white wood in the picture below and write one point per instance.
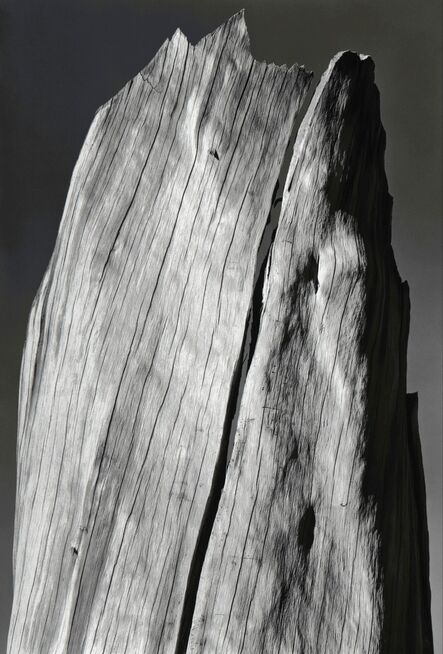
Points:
(314, 548)
(133, 344)
(132, 364)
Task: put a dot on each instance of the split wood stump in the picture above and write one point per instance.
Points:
(216, 450)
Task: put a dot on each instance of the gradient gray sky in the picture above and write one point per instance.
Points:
(60, 60)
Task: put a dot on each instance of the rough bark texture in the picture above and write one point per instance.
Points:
(131, 371)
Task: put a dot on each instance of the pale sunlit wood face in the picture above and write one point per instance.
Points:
(216, 451)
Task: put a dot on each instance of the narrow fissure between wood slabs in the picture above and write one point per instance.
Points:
(264, 256)
(218, 481)
(249, 342)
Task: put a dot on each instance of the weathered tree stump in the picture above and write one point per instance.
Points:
(314, 547)
(131, 535)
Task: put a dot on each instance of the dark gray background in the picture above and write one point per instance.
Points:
(60, 60)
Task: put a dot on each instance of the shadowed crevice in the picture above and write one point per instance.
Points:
(250, 337)
(306, 529)
(218, 481)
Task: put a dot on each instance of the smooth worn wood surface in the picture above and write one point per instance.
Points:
(313, 545)
(133, 344)
(163, 328)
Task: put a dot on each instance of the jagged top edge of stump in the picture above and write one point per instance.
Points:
(343, 61)
(237, 24)
(240, 39)
(351, 65)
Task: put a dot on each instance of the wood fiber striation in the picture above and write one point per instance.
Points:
(216, 451)
(133, 342)
(312, 545)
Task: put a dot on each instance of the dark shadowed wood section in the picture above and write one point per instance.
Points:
(133, 344)
(320, 541)
(131, 536)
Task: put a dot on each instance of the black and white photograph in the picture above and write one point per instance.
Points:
(221, 297)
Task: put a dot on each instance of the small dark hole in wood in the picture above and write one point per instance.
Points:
(306, 530)
(294, 453)
(214, 154)
(74, 551)
(311, 271)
